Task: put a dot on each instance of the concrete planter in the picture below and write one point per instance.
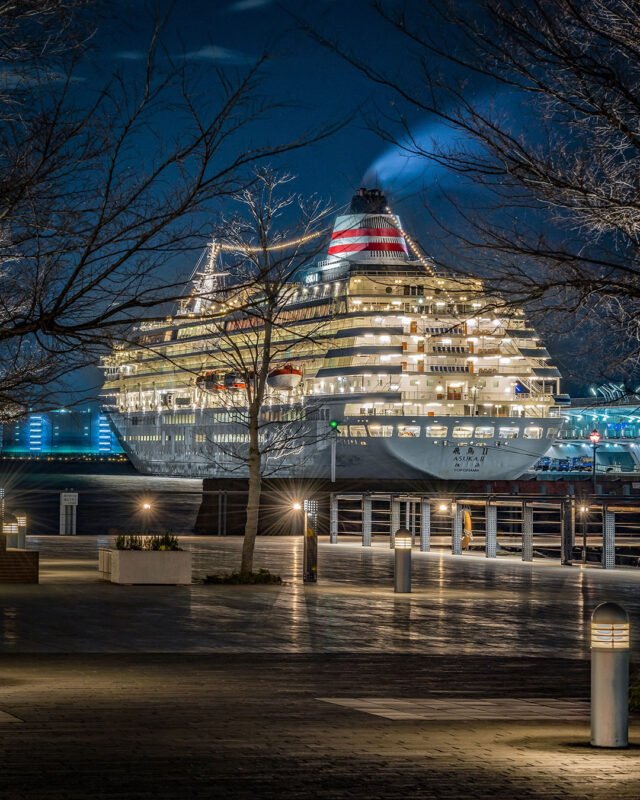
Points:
(145, 566)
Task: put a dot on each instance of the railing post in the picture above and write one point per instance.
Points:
(366, 520)
(491, 530)
(456, 539)
(608, 539)
(425, 525)
(395, 520)
(527, 532)
(568, 523)
(333, 519)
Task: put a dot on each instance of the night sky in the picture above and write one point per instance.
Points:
(317, 85)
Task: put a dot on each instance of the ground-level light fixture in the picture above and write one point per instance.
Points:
(402, 576)
(609, 676)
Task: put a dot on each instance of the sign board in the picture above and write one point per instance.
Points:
(68, 505)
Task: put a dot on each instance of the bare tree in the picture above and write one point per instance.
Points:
(252, 368)
(103, 187)
(542, 104)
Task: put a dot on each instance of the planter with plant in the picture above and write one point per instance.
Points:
(146, 559)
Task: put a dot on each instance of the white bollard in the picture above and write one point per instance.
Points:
(402, 545)
(609, 676)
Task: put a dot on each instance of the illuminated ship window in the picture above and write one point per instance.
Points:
(552, 433)
(357, 430)
(411, 431)
(462, 432)
(533, 433)
(485, 431)
(436, 431)
(509, 433)
(381, 430)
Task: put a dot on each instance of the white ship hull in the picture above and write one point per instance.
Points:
(157, 445)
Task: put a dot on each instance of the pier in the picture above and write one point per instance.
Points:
(558, 521)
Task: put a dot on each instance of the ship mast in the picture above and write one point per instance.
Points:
(205, 282)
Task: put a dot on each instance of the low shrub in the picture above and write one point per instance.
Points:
(164, 541)
(235, 578)
(131, 541)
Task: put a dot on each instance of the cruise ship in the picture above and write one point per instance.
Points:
(424, 374)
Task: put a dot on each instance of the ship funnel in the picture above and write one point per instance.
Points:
(369, 232)
(368, 201)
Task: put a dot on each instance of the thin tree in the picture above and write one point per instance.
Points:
(542, 104)
(103, 188)
(275, 234)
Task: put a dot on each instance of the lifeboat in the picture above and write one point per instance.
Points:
(233, 380)
(211, 382)
(285, 378)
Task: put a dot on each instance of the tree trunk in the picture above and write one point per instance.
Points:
(253, 504)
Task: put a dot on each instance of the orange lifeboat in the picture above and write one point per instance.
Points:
(233, 380)
(284, 378)
(210, 382)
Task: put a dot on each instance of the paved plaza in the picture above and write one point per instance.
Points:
(474, 686)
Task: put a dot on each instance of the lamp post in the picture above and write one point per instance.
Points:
(334, 436)
(146, 510)
(583, 512)
(310, 555)
(594, 438)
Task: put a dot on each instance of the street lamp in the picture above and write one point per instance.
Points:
(583, 511)
(145, 508)
(594, 438)
(334, 431)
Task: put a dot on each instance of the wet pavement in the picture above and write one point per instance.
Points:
(459, 605)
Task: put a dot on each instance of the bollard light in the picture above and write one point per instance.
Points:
(402, 542)
(402, 545)
(609, 635)
(609, 676)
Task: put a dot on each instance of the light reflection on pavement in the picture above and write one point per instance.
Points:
(459, 605)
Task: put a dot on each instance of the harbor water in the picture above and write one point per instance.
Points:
(111, 497)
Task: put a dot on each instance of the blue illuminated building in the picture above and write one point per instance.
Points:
(60, 432)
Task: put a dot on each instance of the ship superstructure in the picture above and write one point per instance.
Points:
(425, 374)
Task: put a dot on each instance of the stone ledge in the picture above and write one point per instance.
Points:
(19, 566)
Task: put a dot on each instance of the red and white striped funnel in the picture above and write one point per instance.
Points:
(369, 232)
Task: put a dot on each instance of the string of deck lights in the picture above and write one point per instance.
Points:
(411, 243)
(281, 246)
